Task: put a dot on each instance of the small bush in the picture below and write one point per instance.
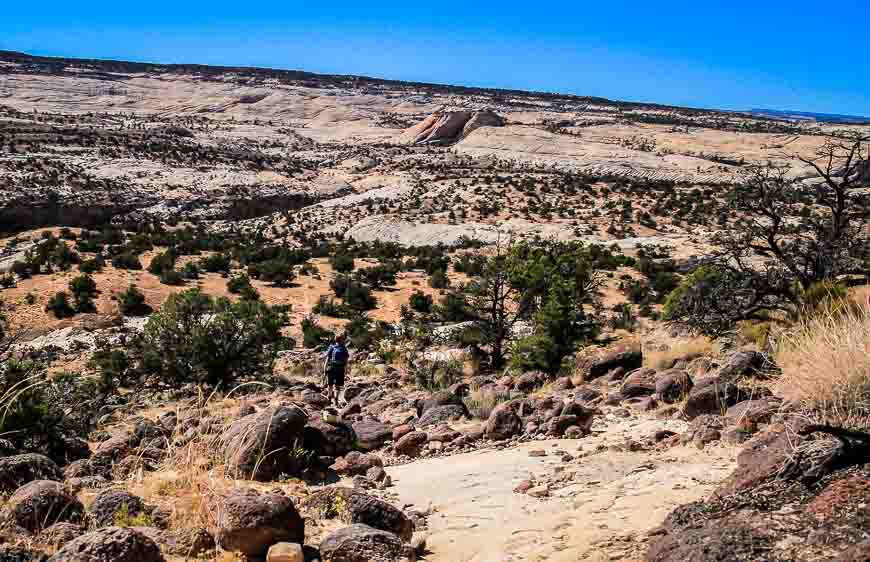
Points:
(164, 261)
(481, 403)
(216, 263)
(438, 279)
(126, 260)
(190, 271)
(238, 283)
(420, 302)
(171, 277)
(342, 263)
(314, 335)
(59, 305)
(132, 302)
(7, 281)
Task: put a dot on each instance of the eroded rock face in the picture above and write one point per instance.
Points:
(361, 543)
(250, 522)
(59, 534)
(672, 385)
(248, 443)
(640, 382)
(42, 503)
(20, 554)
(18, 470)
(112, 544)
(482, 119)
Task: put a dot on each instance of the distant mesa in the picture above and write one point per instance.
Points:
(446, 127)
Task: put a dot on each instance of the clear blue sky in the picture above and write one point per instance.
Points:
(798, 55)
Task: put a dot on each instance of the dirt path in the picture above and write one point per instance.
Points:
(611, 498)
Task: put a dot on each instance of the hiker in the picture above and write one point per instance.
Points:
(334, 368)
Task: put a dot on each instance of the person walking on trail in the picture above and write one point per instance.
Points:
(334, 368)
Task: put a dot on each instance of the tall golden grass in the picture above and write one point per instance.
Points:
(825, 361)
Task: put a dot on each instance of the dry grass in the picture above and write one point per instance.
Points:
(480, 404)
(661, 350)
(825, 363)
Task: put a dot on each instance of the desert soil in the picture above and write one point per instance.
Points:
(604, 513)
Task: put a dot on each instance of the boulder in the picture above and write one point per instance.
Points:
(371, 434)
(358, 507)
(411, 444)
(107, 506)
(743, 364)
(627, 360)
(437, 399)
(18, 470)
(442, 433)
(564, 383)
(503, 422)
(114, 448)
(257, 446)
(755, 411)
(761, 459)
(328, 439)
(442, 414)
(559, 424)
(640, 382)
(672, 385)
(402, 430)
(189, 543)
(111, 544)
(9, 553)
(43, 503)
(250, 522)
(285, 552)
(361, 543)
(59, 534)
(710, 395)
(528, 382)
(585, 415)
(355, 463)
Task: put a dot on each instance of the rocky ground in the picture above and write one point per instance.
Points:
(654, 446)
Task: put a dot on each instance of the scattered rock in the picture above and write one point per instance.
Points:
(361, 543)
(111, 544)
(503, 422)
(355, 463)
(358, 507)
(42, 503)
(627, 360)
(18, 470)
(250, 522)
(249, 443)
(59, 534)
(109, 505)
(371, 434)
(285, 552)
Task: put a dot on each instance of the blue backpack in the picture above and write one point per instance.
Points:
(338, 355)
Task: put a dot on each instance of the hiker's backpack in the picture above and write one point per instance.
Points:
(338, 356)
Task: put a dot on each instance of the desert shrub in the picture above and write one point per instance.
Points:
(237, 283)
(216, 263)
(126, 260)
(278, 271)
(112, 365)
(132, 302)
(623, 318)
(314, 335)
(711, 300)
(195, 338)
(377, 276)
(59, 305)
(190, 271)
(171, 277)
(342, 263)
(825, 362)
(438, 279)
(163, 261)
(355, 294)
(92, 265)
(437, 375)
(327, 306)
(421, 302)
(7, 281)
(453, 307)
(83, 289)
(29, 298)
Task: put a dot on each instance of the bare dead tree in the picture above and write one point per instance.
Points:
(788, 236)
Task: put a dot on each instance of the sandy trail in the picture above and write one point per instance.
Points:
(611, 498)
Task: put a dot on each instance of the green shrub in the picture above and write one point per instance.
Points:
(126, 260)
(7, 281)
(314, 335)
(164, 261)
(438, 279)
(190, 271)
(171, 277)
(132, 302)
(421, 302)
(238, 283)
(342, 263)
(59, 305)
(195, 338)
(216, 263)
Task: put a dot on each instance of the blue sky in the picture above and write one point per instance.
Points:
(797, 55)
